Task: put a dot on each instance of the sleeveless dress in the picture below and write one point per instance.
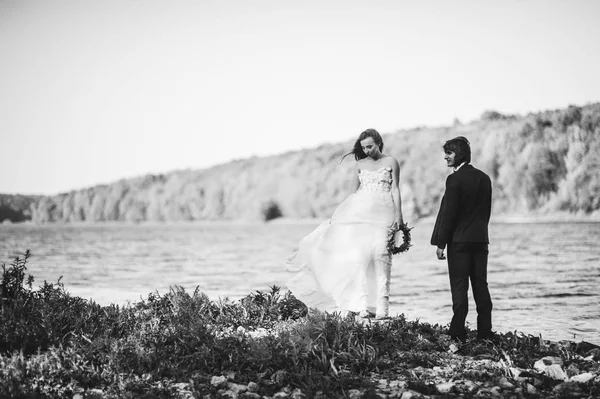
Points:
(344, 264)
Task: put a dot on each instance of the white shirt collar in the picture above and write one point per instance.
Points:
(456, 168)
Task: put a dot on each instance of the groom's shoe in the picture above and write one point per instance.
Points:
(488, 335)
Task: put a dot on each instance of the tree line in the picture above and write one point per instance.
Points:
(539, 163)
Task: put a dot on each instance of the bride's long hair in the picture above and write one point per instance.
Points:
(357, 149)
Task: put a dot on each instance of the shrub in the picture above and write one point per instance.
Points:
(271, 210)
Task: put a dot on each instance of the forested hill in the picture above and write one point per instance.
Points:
(540, 163)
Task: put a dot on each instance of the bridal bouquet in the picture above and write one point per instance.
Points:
(393, 238)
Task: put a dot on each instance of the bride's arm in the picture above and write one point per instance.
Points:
(396, 191)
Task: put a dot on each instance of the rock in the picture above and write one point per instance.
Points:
(181, 386)
(297, 394)
(548, 361)
(218, 381)
(410, 395)
(453, 348)
(583, 378)
(530, 389)
(281, 395)
(504, 383)
(237, 388)
(445, 387)
(397, 384)
(355, 394)
(229, 394)
(78, 396)
(287, 389)
(552, 367)
(253, 387)
(94, 394)
(470, 386)
(250, 395)
(515, 372)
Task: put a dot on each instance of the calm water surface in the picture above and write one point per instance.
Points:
(543, 278)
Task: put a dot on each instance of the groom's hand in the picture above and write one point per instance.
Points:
(440, 254)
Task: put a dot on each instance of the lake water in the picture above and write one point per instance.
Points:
(543, 278)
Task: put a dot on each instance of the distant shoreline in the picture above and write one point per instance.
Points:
(509, 218)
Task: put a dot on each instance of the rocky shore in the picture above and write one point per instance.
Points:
(266, 345)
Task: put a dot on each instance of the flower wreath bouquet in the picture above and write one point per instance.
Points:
(393, 238)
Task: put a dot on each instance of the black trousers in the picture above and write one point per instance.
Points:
(468, 261)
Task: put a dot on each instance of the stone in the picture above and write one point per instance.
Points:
(253, 387)
(281, 395)
(181, 386)
(237, 388)
(410, 395)
(397, 384)
(496, 391)
(504, 383)
(470, 386)
(530, 389)
(218, 381)
(297, 394)
(94, 393)
(583, 378)
(445, 387)
(552, 367)
(355, 394)
(287, 389)
(548, 361)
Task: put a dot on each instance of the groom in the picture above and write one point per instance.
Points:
(462, 225)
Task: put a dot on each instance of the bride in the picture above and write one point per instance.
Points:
(344, 264)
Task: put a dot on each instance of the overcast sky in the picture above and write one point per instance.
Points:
(94, 91)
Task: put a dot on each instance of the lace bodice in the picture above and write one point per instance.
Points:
(377, 181)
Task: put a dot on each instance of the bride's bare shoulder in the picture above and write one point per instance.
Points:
(392, 162)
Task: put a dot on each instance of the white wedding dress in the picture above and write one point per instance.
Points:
(344, 264)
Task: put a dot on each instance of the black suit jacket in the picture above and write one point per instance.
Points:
(466, 208)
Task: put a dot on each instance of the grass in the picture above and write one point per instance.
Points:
(55, 345)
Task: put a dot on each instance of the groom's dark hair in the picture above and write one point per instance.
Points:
(461, 147)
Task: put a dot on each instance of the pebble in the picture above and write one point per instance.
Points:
(470, 386)
(355, 394)
(445, 387)
(298, 394)
(585, 377)
(505, 384)
(410, 395)
(530, 389)
(237, 388)
(218, 381)
(397, 384)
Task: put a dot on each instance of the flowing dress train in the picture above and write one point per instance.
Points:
(344, 264)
